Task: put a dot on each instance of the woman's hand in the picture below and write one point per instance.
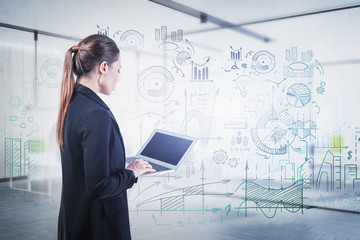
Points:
(140, 166)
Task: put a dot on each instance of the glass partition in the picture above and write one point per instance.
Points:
(31, 75)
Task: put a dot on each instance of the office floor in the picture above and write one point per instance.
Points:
(25, 215)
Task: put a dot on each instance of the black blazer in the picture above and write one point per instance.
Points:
(93, 199)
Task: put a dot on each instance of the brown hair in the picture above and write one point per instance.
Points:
(89, 53)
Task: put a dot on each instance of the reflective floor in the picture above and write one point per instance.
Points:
(25, 215)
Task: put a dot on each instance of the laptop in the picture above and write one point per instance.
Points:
(165, 151)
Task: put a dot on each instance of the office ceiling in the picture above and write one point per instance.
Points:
(67, 16)
(79, 18)
(243, 11)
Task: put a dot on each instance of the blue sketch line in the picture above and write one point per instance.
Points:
(319, 67)
(249, 54)
(276, 82)
(178, 70)
(263, 155)
(192, 190)
(176, 102)
(191, 49)
(156, 114)
(154, 184)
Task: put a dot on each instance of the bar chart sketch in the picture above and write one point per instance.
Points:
(235, 54)
(103, 31)
(168, 42)
(200, 72)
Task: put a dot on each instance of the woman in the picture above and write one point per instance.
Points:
(93, 200)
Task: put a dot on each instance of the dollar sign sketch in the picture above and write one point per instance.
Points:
(350, 155)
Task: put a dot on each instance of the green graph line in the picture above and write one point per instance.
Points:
(275, 207)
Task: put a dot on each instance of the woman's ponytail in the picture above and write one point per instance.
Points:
(67, 89)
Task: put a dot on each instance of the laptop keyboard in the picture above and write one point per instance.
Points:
(155, 166)
(158, 168)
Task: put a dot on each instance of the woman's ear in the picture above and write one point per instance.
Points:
(103, 67)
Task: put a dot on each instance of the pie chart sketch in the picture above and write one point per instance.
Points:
(132, 40)
(183, 58)
(51, 72)
(156, 84)
(273, 133)
(263, 62)
(298, 95)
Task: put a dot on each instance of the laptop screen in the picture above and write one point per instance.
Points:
(166, 148)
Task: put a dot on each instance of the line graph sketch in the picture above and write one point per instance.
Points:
(175, 200)
(269, 200)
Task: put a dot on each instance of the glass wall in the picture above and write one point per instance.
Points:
(31, 76)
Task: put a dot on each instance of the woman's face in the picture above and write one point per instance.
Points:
(111, 77)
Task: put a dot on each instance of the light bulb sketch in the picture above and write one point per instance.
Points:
(243, 83)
